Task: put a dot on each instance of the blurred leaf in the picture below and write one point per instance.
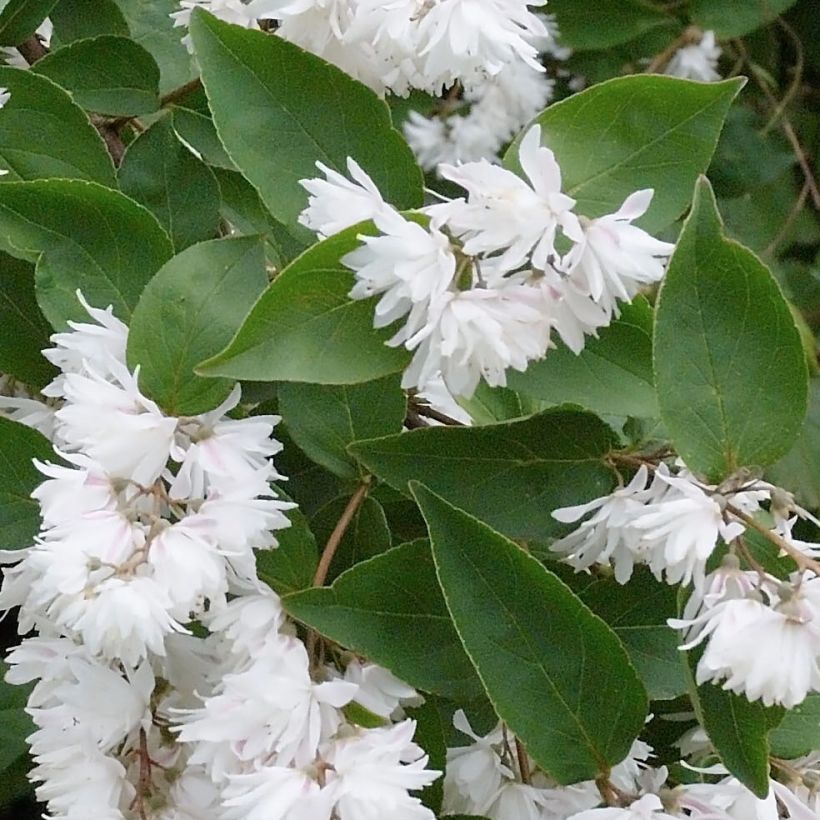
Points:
(80, 19)
(735, 18)
(19, 19)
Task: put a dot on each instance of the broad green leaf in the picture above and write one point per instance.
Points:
(635, 132)
(159, 172)
(244, 211)
(15, 725)
(43, 133)
(799, 732)
(19, 19)
(190, 309)
(324, 419)
(390, 609)
(729, 365)
(107, 74)
(194, 123)
(511, 475)
(152, 27)
(637, 613)
(24, 331)
(556, 674)
(739, 730)
(304, 328)
(431, 734)
(79, 19)
(612, 375)
(85, 237)
(735, 18)
(292, 565)
(489, 405)
(605, 23)
(19, 513)
(799, 470)
(297, 109)
(367, 534)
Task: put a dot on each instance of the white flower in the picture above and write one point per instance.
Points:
(31, 412)
(274, 793)
(466, 38)
(409, 265)
(477, 334)
(474, 773)
(379, 690)
(608, 536)
(518, 801)
(614, 258)
(373, 771)
(697, 61)
(682, 529)
(649, 807)
(767, 653)
(337, 203)
(503, 213)
(238, 12)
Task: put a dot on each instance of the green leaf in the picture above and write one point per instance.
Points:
(297, 109)
(367, 534)
(555, 672)
(159, 172)
(799, 732)
(637, 613)
(635, 132)
(15, 724)
(190, 309)
(605, 23)
(244, 210)
(292, 565)
(511, 475)
(390, 609)
(739, 730)
(323, 419)
(83, 236)
(729, 364)
(19, 513)
(431, 734)
(194, 124)
(735, 18)
(24, 331)
(799, 469)
(304, 328)
(152, 27)
(107, 74)
(489, 405)
(79, 19)
(612, 375)
(44, 134)
(19, 19)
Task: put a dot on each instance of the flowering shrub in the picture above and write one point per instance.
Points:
(396, 421)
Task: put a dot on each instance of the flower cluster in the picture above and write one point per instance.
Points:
(674, 524)
(479, 280)
(422, 44)
(168, 682)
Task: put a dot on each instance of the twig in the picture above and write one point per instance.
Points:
(802, 561)
(32, 49)
(794, 86)
(338, 533)
(523, 762)
(432, 413)
(789, 221)
(413, 421)
(179, 93)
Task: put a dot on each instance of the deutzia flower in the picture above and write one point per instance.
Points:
(336, 203)
(274, 793)
(615, 259)
(503, 213)
(379, 690)
(648, 807)
(373, 771)
(697, 61)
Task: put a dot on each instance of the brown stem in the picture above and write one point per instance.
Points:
(413, 421)
(179, 93)
(432, 413)
(523, 762)
(338, 533)
(802, 561)
(113, 142)
(32, 49)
